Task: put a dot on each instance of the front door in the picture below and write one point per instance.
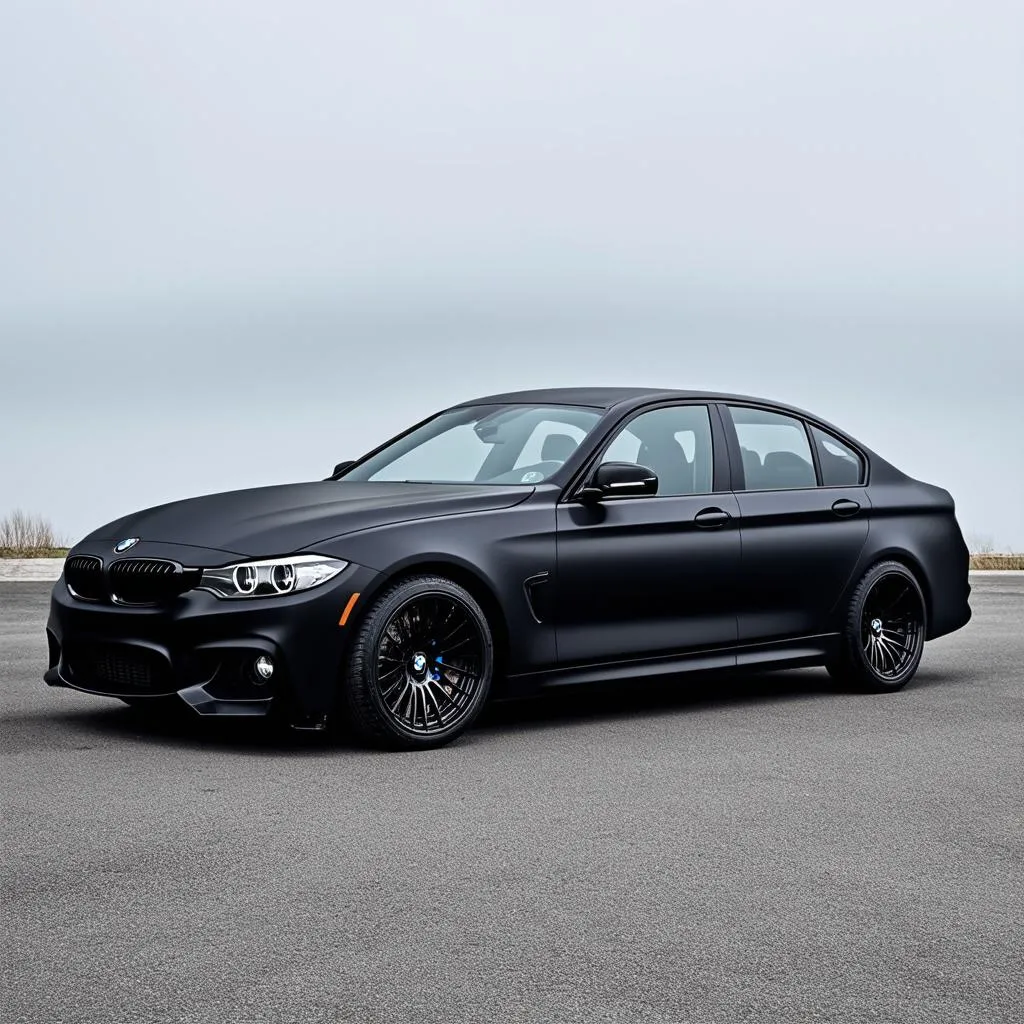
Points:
(652, 576)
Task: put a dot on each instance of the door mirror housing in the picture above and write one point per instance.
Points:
(341, 467)
(619, 480)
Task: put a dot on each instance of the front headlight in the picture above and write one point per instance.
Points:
(271, 577)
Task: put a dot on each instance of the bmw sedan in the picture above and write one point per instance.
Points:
(516, 542)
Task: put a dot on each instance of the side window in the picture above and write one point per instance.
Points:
(675, 442)
(840, 465)
(775, 450)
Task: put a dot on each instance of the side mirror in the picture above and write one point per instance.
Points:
(619, 480)
(341, 467)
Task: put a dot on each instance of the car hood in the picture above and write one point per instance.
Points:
(265, 521)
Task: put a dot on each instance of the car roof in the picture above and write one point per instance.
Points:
(606, 398)
(596, 397)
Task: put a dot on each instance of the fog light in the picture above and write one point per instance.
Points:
(264, 668)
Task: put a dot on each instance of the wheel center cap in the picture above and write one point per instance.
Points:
(876, 625)
(419, 663)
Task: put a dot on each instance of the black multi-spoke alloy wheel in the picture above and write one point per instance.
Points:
(885, 630)
(421, 665)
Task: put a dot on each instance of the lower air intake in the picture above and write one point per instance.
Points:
(118, 669)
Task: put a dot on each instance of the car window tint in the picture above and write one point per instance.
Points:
(775, 450)
(514, 443)
(452, 455)
(551, 441)
(840, 465)
(675, 442)
(624, 448)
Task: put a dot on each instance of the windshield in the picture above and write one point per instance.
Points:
(483, 444)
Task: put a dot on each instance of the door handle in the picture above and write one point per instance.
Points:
(845, 507)
(711, 518)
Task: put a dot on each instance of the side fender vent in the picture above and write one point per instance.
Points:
(537, 589)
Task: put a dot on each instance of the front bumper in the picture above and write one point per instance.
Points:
(202, 649)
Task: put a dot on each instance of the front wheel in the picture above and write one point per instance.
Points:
(421, 665)
(884, 636)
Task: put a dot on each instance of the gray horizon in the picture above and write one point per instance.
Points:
(242, 242)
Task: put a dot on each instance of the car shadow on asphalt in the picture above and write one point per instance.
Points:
(554, 707)
(665, 695)
(691, 693)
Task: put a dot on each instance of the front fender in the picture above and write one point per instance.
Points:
(498, 549)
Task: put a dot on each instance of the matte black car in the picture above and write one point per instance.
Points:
(516, 542)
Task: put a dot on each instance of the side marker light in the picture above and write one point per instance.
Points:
(348, 609)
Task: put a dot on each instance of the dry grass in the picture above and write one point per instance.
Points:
(991, 561)
(33, 552)
(28, 536)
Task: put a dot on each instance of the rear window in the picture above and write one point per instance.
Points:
(840, 465)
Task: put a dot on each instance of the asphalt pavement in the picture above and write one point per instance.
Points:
(757, 848)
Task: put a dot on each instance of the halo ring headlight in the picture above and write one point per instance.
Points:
(245, 578)
(282, 577)
(270, 577)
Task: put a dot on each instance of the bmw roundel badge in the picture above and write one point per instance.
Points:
(124, 545)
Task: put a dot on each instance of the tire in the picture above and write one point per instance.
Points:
(883, 637)
(420, 667)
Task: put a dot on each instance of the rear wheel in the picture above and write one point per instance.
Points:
(883, 639)
(421, 665)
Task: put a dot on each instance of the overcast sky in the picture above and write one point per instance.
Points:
(240, 241)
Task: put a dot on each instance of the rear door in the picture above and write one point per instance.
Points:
(804, 514)
(655, 575)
